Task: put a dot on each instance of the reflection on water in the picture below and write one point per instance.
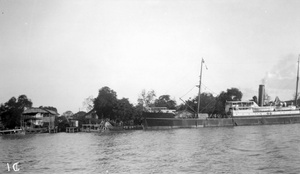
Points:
(250, 149)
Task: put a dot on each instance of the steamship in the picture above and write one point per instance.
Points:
(249, 113)
(240, 113)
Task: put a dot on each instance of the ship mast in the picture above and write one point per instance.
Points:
(296, 96)
(202, 61)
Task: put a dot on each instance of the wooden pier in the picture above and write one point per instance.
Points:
(91, 127)
(12, 132)
(36, 130)
(53, 130)
(41, 130)
(99, 127)
(72, 129)
(133, 127)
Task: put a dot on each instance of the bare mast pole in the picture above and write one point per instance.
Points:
(296, 96)
(202, 61)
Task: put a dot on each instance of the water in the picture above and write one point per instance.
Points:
(248, 149)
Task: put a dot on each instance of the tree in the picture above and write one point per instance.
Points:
(165, 101)
(254, 98)
(232, 94)
(124, 110)
(11, 111)
(146, 99)
(207, 103)
(138, 111)
(62, 123)
(220, 103)
(68, 114)
(105, 103)
(49, 108)
(88, 103)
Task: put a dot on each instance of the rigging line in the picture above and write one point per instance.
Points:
(188, 92)
(214, 107)
(206, 106)
(209, 104)
(182, 77)
(176, 80)
(188, 105)
(209, 89)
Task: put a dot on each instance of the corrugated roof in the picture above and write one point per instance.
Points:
(38, 110)
(34, 111)
(51, 112)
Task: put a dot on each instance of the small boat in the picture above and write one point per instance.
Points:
(108, 127)
(104, 126)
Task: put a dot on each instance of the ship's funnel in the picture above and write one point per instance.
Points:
(261, 95)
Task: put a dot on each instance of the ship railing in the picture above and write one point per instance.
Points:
(271, 113)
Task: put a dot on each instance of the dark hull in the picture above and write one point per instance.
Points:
(169, 123)
(158, 115)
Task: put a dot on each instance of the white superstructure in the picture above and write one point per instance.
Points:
(250, 108)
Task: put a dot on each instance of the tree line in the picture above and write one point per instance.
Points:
(107, 105)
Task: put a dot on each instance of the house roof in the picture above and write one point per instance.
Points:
(184, 111)
(91, 113)
(78, 114)
(51, 112)
(32, 111)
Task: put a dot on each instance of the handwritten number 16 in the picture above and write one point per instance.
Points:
(14, 167)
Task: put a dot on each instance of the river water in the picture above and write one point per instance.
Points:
(248, 149)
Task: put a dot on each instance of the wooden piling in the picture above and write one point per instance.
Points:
(71, 129)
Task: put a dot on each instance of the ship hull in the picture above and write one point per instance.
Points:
(171, 123)
(269, 120)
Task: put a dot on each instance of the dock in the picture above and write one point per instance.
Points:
(53, 130)
(133, 127)
(72, 129)
(99, 127)
(41, 130)
(91, 127)
(12, 131)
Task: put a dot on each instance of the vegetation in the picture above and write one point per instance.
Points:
(62, 123)
(146, 99)
(232, 94)
(107, 105)
(165, 101)
(49, 108)
(88, 103)
(212, 105)
(11, 111)
(67, 114)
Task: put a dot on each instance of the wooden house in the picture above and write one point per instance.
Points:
(91, 115)
(38, 118)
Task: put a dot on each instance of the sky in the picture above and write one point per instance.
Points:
(60, 52)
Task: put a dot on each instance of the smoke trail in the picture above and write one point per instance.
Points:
(283, 74)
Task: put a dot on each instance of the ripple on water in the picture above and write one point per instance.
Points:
(250, 149)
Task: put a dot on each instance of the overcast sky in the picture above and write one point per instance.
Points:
(59, 52)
